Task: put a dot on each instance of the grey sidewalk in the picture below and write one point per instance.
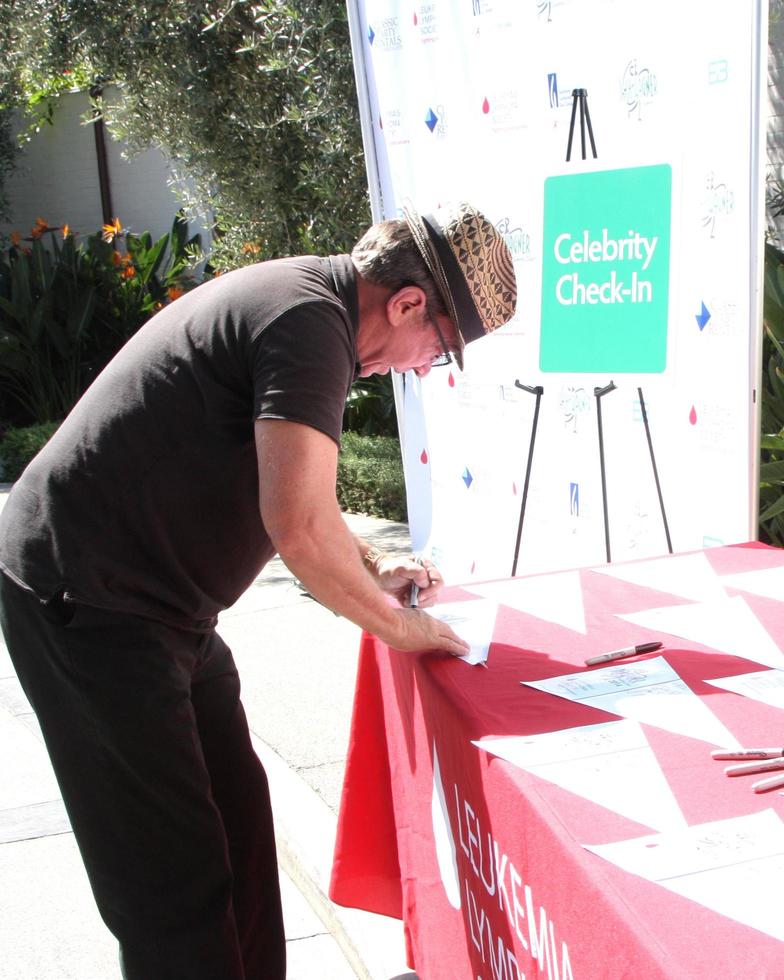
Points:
(297, 662)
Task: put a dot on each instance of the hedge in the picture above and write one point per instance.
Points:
(370, 471)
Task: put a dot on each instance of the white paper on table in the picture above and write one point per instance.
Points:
(761, 685)
(733, 867)
(611, 764)
(473, 621)
(648, 691)
(727, 625)
(767, 582)
(556, 598)
(687, 576)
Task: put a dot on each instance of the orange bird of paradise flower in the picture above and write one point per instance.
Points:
(112, 231)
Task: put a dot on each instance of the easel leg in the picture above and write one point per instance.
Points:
(599, 393)
(538, 391)
(655, 470)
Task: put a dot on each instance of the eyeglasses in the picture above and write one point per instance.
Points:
(440, 360)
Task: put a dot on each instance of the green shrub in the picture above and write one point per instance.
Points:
(18, 446)
(370, 476)
(370, 407)
(370, 471)
(771, 517)
(67, 308)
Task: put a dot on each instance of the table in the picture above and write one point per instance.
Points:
(486, 862)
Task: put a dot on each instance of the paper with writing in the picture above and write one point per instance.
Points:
(733, 867)
(610, 764)
(473, 621)
(647, 691)
(761, 685)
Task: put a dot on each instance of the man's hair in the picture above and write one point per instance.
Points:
(387, 255)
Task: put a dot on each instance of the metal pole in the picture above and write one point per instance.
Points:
(599, 393)
(655, 470)
(538, 391)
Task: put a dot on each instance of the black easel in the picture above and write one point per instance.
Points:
(600, 393)
(538, 390)
(655, 470)
(580, 96)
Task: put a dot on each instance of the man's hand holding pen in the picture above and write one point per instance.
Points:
(414, 582)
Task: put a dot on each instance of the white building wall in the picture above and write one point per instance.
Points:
(57, 179)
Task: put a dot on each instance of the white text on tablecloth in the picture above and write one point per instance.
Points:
(493, 875)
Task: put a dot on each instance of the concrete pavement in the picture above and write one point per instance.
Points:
(297, 662)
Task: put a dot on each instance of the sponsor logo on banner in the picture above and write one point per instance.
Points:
(384, 35)
(605, 271)
(552, 88)
(392, 125)
(574, 499)
(546, 8)
(435, 120)
(426, 18)
(574, 403)
(717, 428)
(559, 94)
(517, 239)
(639, 86)
(504, 109)
(718, 318)
(717, 203)
(637, 416)
(718, 71)
(491, 15)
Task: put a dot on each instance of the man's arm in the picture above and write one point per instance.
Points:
(297, 474)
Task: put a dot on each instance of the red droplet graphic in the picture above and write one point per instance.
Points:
(693, 416)
(473, 567)
(380, 123)
(485, 106)
(416, 19)
(514, 489)
(423, 457)
(451, 380)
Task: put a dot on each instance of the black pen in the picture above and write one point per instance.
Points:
(413, 599)
(625, 652)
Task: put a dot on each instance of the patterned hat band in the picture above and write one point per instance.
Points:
(471, 266)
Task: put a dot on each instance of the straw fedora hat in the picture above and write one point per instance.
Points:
(471, 266)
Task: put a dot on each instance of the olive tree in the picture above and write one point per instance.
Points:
(255, 101)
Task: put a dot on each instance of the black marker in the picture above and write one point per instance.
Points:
(625, 652)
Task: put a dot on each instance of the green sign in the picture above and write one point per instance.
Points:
(606, 271)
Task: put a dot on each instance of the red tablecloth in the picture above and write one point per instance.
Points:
(527, 899)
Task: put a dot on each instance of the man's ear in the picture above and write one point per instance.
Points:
(408, 302)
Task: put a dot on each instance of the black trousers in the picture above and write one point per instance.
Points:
(168, 801)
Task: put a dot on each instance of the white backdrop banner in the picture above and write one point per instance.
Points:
(640, 268)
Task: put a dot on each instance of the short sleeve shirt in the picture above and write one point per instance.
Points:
(146, 498)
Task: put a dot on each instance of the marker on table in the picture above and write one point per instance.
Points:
(747, 754)
(761, 765)
(625, 652)
(763, 785)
